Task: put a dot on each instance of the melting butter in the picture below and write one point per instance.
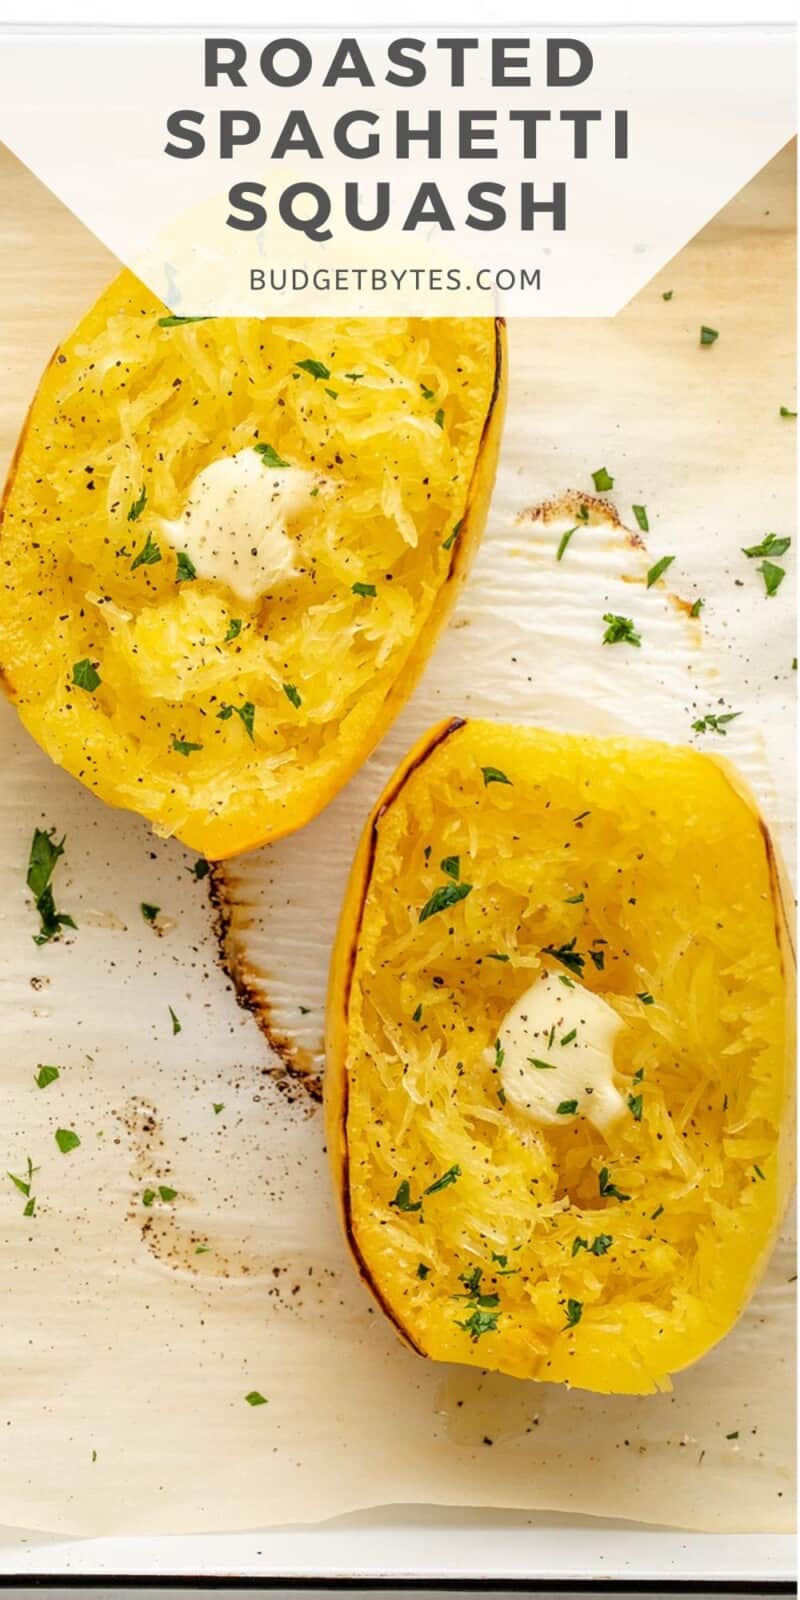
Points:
(236, 520)
(558, 1050)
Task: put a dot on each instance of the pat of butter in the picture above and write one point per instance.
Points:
(235, 523)
(558, 1050)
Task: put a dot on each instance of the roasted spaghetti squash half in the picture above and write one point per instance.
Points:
(227, 546)
(559, 1054)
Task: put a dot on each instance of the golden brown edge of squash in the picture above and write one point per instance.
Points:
(463, 551)
(340, 981)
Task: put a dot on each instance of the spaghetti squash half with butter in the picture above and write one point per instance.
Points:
(227, 546)
(558, 1071)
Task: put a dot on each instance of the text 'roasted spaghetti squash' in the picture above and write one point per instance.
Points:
(227, 546)
(558, 1054)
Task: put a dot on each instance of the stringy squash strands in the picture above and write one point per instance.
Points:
(682, 897)
(128, 405)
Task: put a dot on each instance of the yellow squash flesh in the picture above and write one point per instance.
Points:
(403, 419)
(681, 902)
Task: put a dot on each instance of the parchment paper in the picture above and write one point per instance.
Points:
(126, 1355)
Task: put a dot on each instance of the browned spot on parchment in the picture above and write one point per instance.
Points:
(296, 1075)
(574, 504)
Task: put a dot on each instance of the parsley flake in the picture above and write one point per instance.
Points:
(715, 722)
(137, 506)
(448, 1177)
(708, 335)
(185, 571)
(773, 576)
(772, 544)
(366, 590)
(602, 480)
(451, 865)
(607, 1188)
(254, 1398)
(148, 555)
(620, 630)
(292, 695)
(235, 626)
(494, 775)
(85, 675)
(640, 513)
(246, 713)
(635, 1104)
(403, 1201)
(574, 1313)
(564, 541)
(317, 369)
(180, 322)
(67, 1140)
(176, 1025)
(184, 747)
(45, 1076)
(44, 853)
(448, 543)
(567, 1108)
(658, 570)
(447, 894)
(269, 456)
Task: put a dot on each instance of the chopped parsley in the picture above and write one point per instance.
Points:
(45, 1076)
(148, 555)
(542, 1066)
(317, 369)
(184, 747)
(478, 1323)
(599, 959)
(269, 455)
(447, 894)
(417, 1015)
(67, 1140)
(185, 570)
(658, 570)
(567, 1108)
(620, 630)
(176, 1026)
(773, 576)
(201, 868)
(696, 607)
(567, 955)
(635, 1104)
(607, 1188)
(602, 480)
(235, 626)
(715, 722)
(149, 912)
(217, 1106)
(564, 541)
(640, 513)
(44, 853)
(759, 1173)
(427, 394)
(166, 1193)
(439, 418)
(499, 1055)
(137, 506)
(422, 1270)
(708, 335)
(448, 543)
(496, 955)
(246, 713)
(366, 590)
(451, 866)
(574, 1313)
(667, 294)
(573, 899)
(568, 1037)
(293, 695)
(403, 1201)
(24, 1184)
(785, 412)
(354, 376)
(448, 1177)
(254, 1398)
(494, 775)
(85, 675)
(659, 1212)
(179, 322)
(772, 544)
(148, 1197)
(646, 998)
